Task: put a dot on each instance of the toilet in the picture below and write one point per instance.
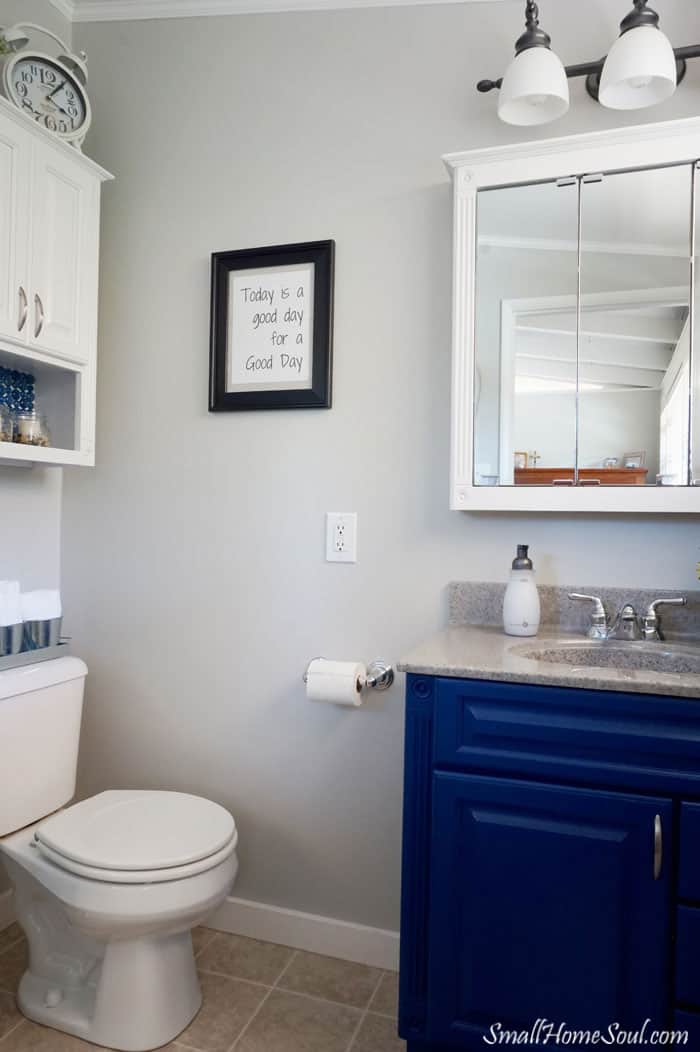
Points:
(107, 890)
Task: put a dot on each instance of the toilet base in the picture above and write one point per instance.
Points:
(139, 996)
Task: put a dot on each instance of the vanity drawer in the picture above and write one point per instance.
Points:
(688, 956)
(689, 871)
(603, 737)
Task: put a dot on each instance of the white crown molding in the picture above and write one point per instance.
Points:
(136, 10)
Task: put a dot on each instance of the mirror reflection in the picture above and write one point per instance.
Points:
(600, 381)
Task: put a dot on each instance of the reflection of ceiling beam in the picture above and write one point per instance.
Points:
(550, 369)
(598, 350)
(615, 248)
(642, 330)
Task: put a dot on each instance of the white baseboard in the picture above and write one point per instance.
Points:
(7, 909)
(305, 931)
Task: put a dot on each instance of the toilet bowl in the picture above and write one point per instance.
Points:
(107, 890)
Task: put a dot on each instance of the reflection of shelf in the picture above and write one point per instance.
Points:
(589, 476)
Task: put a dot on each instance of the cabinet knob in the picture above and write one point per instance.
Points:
(39, 307)
(658, 847)
(23, 309)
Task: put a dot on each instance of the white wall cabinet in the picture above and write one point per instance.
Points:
(49, 260)
(15, 167)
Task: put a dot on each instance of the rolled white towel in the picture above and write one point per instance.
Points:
(41, 605)
(10, 604)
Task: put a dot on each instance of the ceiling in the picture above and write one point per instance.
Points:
(129, 10)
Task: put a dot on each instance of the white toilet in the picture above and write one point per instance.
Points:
(108, 890)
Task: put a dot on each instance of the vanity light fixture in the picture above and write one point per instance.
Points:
(642, 69)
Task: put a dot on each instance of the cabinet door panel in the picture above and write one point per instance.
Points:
(64, 256)
(544, 906)
(15, 155)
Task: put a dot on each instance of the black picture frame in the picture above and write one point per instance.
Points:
(315, 394)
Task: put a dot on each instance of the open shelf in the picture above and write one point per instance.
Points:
(57, 397)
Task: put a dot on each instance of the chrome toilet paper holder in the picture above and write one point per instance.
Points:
(380, 674)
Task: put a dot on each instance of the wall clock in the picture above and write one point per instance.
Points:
(45, 90)
(49, 90)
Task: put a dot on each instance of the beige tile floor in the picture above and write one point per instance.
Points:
(258, 997)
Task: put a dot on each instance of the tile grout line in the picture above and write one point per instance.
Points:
(12, 1030)
(209, 941)
(11, 945)
(364, 1015)
(269, 993)
(235, 978)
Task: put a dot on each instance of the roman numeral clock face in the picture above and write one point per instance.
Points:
(49, 94)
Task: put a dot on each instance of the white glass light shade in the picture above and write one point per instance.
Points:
(535, 89)
(639, 71)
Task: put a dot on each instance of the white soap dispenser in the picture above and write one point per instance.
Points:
(521, 605)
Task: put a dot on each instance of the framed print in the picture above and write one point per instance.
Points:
(272, 327)
(520, 460)
(635, 460)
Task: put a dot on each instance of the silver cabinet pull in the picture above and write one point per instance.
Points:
(658, 847)
(562, 482)
(23, 309)
(39, 307)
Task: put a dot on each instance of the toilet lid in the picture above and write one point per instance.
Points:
(138, 830)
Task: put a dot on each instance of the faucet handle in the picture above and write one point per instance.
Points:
(599, 618)
(598, 607)
(653, 607)
(650, 621)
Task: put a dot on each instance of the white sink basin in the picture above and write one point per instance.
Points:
(642, 657)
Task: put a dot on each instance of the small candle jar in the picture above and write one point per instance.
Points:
(31, 429)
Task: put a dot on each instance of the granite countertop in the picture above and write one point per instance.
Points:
(483, 651)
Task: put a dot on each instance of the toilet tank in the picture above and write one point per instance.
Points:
(40, 710)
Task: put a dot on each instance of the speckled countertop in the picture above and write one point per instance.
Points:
(483, 651)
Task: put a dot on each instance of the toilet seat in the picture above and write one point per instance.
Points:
(137, 876)
(138, 836)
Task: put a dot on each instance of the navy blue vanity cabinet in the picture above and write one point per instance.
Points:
(551, 861)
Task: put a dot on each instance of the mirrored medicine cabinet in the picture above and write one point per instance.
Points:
(576, 375)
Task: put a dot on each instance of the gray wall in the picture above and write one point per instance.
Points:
(193, 554)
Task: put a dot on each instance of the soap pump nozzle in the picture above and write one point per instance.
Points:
(522, 561)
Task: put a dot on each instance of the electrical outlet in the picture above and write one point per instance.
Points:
(341, 537)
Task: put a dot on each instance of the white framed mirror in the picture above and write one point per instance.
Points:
(573, 365)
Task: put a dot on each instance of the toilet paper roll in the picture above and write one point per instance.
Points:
(339, 682)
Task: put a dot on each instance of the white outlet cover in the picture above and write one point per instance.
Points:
(341, 537)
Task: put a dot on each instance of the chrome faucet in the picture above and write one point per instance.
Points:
(627, 624)
(599, 626)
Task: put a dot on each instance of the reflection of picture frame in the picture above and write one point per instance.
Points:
(634, 460)
(272, 327)
(519, 460)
